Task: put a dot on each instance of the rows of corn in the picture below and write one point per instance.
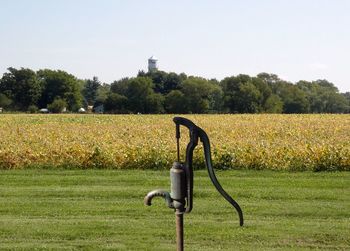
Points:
(279, 142)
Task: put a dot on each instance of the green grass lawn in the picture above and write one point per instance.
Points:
(103, 210)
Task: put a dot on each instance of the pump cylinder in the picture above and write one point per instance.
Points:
(178, 182)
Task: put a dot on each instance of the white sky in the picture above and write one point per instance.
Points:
(297, 40)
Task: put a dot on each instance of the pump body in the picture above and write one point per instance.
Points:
(178, 185)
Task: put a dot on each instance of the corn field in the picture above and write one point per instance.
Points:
(278, 142)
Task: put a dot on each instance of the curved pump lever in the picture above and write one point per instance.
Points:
(206, 144)
(195, 133)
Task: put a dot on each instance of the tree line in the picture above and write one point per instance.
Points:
(158, 92)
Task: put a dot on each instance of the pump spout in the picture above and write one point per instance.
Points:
(158, 193)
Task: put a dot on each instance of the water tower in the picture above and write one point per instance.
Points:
(152, 64)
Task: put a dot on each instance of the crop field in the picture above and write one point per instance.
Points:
(103, 210)
(277, 142)
(54, 197)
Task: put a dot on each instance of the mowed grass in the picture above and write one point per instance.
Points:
(103, 210)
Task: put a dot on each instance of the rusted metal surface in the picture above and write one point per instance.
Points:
(179, 217)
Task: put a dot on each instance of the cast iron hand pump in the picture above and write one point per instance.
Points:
(181, 175)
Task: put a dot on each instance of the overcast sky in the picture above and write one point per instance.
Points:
(111, 39)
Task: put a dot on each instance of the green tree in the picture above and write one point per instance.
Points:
(120, 86)
(264, 90)
(323, 97)
(116, 103)
(140, 95)
(197, 92)
(33, 109)
(294, 99)
(325, 84)
(57, 106)
(230, 87)
(22, 87)
(215, 96)
(154, 103)
(248, 98)
(158, 79)
(102, 94)
(60, 85)
(90, 90)
(4, 101)
(335, 103)
(241, 95)
(173, 82)
(346, 95)
(164, 82)
(273, 104)
(314, 95)
(175, 102)
(137, 91)
(272, 80)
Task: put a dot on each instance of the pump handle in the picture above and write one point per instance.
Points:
(195, 133)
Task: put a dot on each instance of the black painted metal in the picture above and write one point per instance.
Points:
(181, 176)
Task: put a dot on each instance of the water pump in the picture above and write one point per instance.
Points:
(181, 176)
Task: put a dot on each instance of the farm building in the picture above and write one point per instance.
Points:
(99, 109)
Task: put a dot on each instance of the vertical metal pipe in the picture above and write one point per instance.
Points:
(179, 230)
(178, 142)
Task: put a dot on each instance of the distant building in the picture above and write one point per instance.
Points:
(44, 110)
(99, 109)
(81, 110)
(152, 64)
